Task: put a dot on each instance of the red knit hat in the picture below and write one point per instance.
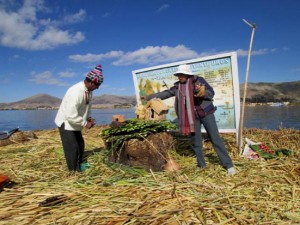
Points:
(96, 75)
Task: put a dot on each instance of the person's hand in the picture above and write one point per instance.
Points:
(90, 123)
(200, 90)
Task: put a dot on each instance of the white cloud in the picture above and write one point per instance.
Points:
(46, 78)
(157, 54)
(67, 74)
(89, 57)
(75, 18)
(52, 37)
(162, 8)
(263, 51)
(147, 55)
(273, 49)
(23, 29)
(285, 48)
(30, 8)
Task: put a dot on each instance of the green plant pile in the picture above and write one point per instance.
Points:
(134, 129)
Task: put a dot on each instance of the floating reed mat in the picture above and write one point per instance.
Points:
(262, 192)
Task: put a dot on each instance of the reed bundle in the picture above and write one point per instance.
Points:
(262, 192)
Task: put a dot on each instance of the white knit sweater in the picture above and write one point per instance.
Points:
(74, 110)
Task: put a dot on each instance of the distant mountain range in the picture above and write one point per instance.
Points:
(272, 92)
(44, 101)
(286, 91)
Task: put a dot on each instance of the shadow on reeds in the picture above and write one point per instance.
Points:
(87, 154)
(212, 157)
(184, 147)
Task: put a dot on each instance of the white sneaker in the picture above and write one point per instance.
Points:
(231, 171)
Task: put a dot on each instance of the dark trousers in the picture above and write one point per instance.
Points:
(73, 145)
(210, 125)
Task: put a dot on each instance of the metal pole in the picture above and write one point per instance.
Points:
(240, 142)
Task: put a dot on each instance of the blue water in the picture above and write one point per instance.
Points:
(44, 119)
(268, 117)
(263, 117)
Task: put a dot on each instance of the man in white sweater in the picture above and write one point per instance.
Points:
(74, 114)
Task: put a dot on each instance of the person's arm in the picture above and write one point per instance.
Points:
(162, 95)
(90, 122)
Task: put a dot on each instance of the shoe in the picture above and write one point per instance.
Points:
(231, 171)
(84, 166)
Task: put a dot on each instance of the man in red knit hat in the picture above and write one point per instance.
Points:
(74, 114)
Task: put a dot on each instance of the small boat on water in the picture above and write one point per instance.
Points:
(276, 104)
(6, 134)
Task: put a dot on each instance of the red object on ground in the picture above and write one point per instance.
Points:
(3, 181)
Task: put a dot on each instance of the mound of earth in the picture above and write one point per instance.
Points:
(151, 153)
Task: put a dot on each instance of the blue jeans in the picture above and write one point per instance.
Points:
(210, 125)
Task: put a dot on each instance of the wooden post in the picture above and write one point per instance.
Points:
(241, 127)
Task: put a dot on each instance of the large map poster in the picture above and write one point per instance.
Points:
(220, 71)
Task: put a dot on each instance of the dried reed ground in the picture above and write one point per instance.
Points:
(262, 192)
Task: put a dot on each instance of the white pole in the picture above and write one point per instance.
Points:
(240, 143)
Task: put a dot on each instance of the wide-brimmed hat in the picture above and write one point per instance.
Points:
(184, 69)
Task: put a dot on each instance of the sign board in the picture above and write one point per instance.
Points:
(220, 71)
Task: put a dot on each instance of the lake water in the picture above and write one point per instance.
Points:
(263, 117)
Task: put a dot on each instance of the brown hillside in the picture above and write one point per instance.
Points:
(273, 90)
(47, 101)
(33, 102)
(114, 99)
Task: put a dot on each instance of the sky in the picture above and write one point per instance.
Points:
(47, 46)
